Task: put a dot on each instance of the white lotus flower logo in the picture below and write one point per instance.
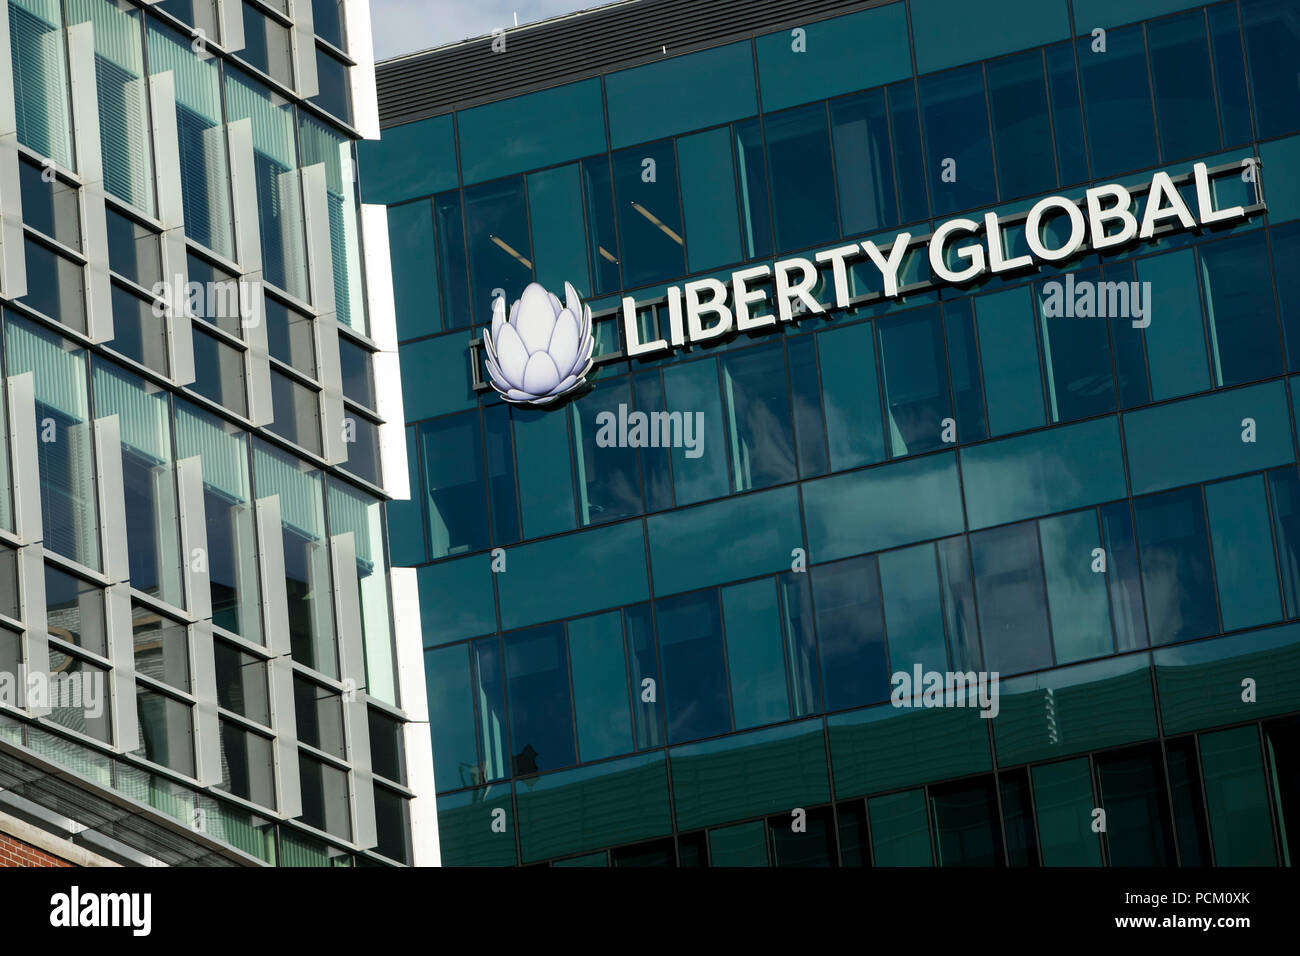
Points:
(544, 350)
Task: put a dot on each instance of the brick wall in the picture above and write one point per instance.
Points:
(16, 853)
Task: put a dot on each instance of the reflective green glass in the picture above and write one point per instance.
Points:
(600, 697)
(882, 507)
(694, 664)
(755, 653)
(1244, 344)
(1203, 438)
(413, 159)
(744, 775)
(1236, 796)
(757, 403)
(1076, 354)
(692, 389)
(763, 526)
(880, 748)
(1010, 594)
(456, 599)
(545, 471)
(900, 829)
(555, 815)
(909, 583)
(1008, 347)
(1043, 472)
(803, 184)
(649, 214)
(476, 828)
(558, 243)
(435, 377)
(1022, 125)
(1181, 73)
(1076, 586)
(528, 594)
(664, 98)
(914, 373)
(541, 708)
(967, 831)
(709, 199)
(1064, 804)
(1175, 343)
(1244, 567)
(744, 844)
(955, 122)
(414, 269)
(1117, 101)
(1139, 831)
(850, 396)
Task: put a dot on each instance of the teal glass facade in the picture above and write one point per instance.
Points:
(639, 656)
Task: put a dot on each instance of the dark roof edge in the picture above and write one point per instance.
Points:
(565, 49)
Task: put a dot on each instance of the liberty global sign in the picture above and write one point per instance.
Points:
(544, 350)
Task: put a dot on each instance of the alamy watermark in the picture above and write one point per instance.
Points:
(79, 690)
(651, 430)
(1086, 299)
(922, 688)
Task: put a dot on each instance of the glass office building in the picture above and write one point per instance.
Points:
(199, 661)
(646, 655)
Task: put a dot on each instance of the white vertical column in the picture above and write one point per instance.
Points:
(304, 49)
(248, 242)
(28, 523)
(352, 669)
(275, 614)
(320, 262)
(417, 739)
(171, 211)
(13, 268)
(90, 168)
(117, 567)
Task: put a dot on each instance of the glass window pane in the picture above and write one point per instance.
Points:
(900, 829)
(205, 169)
(451, 717)
(222, 450)
(50, 207)
(1012, 605)
(541, 715)
(959, 604)
(1067, 115)
(1190, 824)
(1272, 43)
(600, 696)
(306, 557)
(959, 162)
(694, 668)
(643, 665)
(41, 78)
(909, 162)
(555, 208)
(863, 166)
(500, 253)
(649, 214)
(166, 730)
(453, 485)
(545, 471)
(453, 265)
(325, 802)
(319, 713)
(743, 844)
(55, 286)
(758, 417)
(1244, 344)
(139, 332)
(1022, 126)
(1244, 567)
(806, 397)
(242, 682)
(9, 583)
(133, 250)
(490, 695)
(1064, 804)
(1013, 384)
(751, 178)
(909, 583)
(966, 827)
(692, 389)
(354, 511)
(1076, 586)
(290, 336)
(1117, 97)
(1018, 814)
(334, 151)
(1176, 343)
(1132, 786)
(148, 478)
(1181, 73)
(266, 45)
(362, 438)
(69, 509)
(915, 377)
(297, 412)
(602, 234)
(1076, 354)
(1173, 546)
(1284, 493)
(964, 369)
(1230, 73)
(74, 611)
(850, 633)
(80, 701)
(275, 170)
(416, 295)
(1236, 795)
(709, 199)
(123, 108)
(247, 765)
(219, 372)
(755, 654)
(608, 484)
(803, 184)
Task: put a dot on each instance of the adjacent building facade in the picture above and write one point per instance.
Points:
(203, 656)
(966, 455)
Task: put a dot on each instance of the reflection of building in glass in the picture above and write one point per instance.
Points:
(637, 656)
